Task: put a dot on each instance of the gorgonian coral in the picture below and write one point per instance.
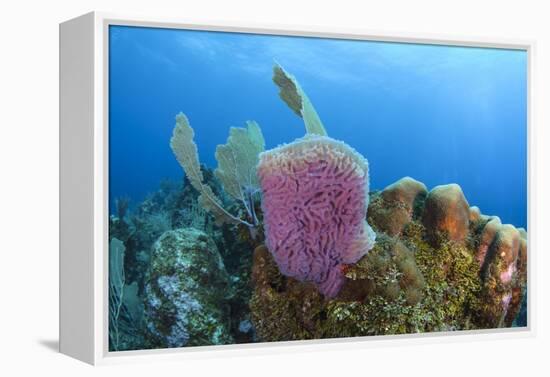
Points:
(236, 168)
(237, 160)
(292, 94)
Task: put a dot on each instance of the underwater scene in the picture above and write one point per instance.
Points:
(273, 188)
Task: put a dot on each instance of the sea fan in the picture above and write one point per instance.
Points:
(292, 94)
(237, 168)
(237, 161)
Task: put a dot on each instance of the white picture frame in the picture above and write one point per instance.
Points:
(84, 188)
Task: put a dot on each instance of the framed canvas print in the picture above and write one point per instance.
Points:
(228, 185)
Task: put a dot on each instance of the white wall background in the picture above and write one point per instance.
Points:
(29, 184)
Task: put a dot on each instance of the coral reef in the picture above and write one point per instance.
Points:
(394, 207)
(174, 206)
(187, 291)
(405, 284)
(422, 276)
(315, 198)
(182, 271)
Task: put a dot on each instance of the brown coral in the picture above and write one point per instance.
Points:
(486, 238)
(396, 205)
(447, 211)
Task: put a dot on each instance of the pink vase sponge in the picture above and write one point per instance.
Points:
(315, 199)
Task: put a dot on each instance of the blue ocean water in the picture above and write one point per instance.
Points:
(439, 114)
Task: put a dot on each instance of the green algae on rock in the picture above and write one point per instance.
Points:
(187, 291)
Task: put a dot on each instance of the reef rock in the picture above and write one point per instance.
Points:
(282, 308)
(315, 199)
(473, 277)
(396, 205)
(447, 211)
(186, 291)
